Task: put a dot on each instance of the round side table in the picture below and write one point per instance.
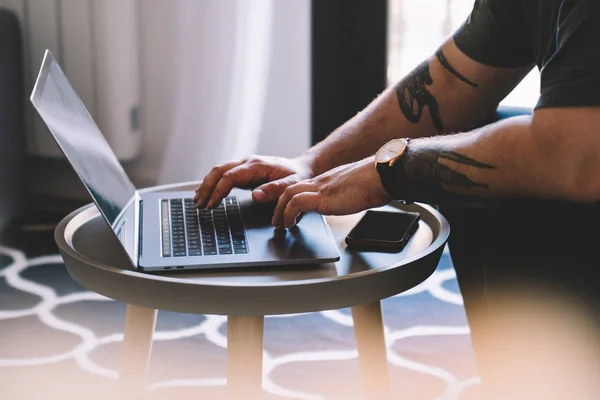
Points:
(95, 260)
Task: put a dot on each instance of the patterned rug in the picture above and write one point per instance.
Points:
(59, 341)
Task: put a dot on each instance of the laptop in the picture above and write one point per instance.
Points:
(164, 231)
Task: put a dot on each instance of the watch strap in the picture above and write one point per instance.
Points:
(394, 180)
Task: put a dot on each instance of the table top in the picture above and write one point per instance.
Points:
(95, 259)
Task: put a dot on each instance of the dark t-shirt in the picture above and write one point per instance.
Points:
(544, 239)
(561, 37)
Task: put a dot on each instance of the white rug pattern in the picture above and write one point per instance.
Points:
(211, 330)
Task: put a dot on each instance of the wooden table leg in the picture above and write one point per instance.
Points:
(372, 352)
(245, 356)
(137, 346)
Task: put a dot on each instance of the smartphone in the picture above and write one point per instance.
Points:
(386, 231)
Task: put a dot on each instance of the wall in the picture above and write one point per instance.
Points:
(286, 125)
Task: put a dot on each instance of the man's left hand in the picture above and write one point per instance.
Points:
(347, 189)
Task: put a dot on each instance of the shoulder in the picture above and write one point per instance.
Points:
(495, 34)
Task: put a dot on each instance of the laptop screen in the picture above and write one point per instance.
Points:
(87, 150)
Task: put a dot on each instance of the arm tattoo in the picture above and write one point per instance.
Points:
(413, 96)
(459, 158)
(444, 61)
(428, 179)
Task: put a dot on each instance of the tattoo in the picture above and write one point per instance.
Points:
(459, 158)
(444, 61)
(427, 179)
(413, 96)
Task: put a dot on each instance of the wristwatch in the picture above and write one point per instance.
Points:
(393, 175)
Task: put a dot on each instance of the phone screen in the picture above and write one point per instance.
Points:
(384, 226)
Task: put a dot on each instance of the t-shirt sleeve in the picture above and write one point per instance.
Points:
(494, 34)
(570, 76)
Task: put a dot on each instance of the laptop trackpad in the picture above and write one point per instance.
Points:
(257, 215)
(308, 240)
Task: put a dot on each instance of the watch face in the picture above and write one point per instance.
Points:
(391, 150)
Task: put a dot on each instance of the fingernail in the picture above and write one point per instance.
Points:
(259, 194)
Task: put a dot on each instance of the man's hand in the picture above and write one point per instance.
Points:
(347, 189)
(275, 174)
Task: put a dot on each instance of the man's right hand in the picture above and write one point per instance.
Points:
(270, 176)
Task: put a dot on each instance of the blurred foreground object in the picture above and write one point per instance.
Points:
(543, 345)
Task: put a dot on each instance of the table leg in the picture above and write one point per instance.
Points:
(245, 356)
(372, 351)
(137, 346)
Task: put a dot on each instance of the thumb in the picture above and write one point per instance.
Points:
(272, 191)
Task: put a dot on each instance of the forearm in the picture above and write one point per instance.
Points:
(366, 132)
(509, 159)
(434, 98)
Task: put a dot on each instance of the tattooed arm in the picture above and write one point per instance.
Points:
(552, 155)
(447, 93)
(497, 161)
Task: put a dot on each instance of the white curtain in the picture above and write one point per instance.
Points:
(221, 52)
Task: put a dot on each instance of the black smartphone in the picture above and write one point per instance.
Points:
(386, 231)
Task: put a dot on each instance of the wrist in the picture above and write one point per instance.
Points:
(389, 163)
(314, 162)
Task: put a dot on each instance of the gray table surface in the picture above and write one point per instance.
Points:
(95, 259)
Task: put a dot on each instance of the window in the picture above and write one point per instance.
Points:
(418, 27)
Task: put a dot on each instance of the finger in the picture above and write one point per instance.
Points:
(210, 181)
(273, 190)
(197, 195)
(291, 191)
(300, 203)
(239, 176)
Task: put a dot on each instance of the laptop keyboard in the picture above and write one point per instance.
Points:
(188, 231)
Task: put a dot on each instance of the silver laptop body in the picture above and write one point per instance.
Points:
(163, 230)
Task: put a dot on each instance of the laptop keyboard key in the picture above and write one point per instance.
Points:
(196, 232)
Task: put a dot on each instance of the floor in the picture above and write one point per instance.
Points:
(59, 340)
